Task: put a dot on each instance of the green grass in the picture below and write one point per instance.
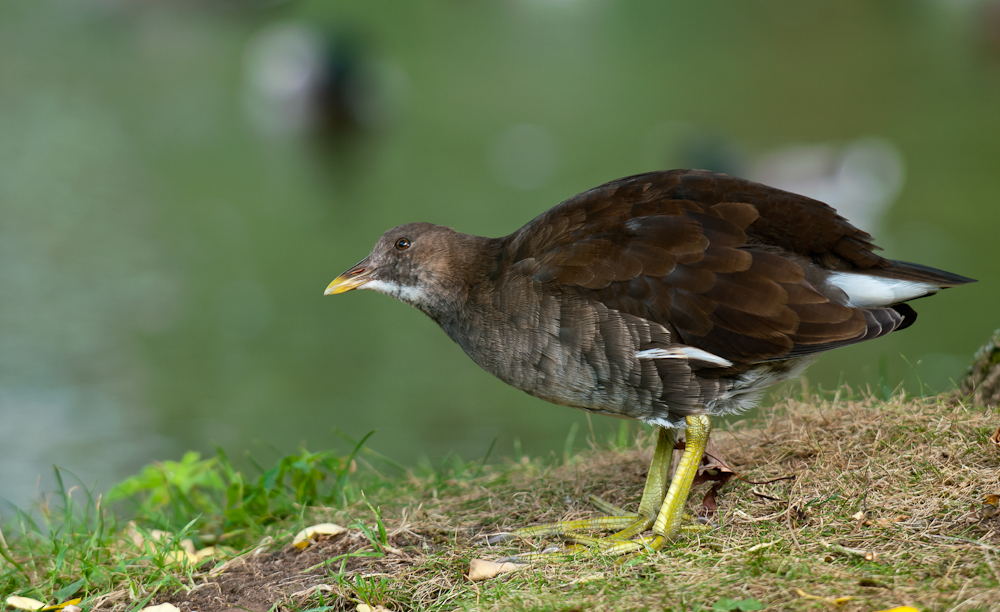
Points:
(74, 545)
(885, 509)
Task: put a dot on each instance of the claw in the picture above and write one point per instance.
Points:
(496, 538)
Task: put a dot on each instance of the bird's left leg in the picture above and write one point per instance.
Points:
(628, 523)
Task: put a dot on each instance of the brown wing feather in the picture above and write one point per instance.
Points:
(719, 261)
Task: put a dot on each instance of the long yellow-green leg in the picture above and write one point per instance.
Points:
(656, 484)
(668, 521)
(628, 523)
(652, 494)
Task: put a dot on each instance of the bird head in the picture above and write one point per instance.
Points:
(416, 263)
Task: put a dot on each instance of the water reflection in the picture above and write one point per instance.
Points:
(164, 256)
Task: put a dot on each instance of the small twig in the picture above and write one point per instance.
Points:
(10, 558)
(791, 529)
(867, 555)
(767, 497)
(967, 541)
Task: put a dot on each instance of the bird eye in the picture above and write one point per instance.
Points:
(402, 244)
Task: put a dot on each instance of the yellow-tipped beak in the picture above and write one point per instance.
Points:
(352, 279)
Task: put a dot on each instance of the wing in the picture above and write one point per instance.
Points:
(728, 266)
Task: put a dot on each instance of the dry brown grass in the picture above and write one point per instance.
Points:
(886, 509)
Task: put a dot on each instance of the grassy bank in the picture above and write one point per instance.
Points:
(888, 507)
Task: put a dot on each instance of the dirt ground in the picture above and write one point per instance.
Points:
(256, 582)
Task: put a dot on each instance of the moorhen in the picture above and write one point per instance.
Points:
(667, 297)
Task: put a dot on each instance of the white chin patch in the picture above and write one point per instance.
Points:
(865, 291)
(403, 293)
(689, 353)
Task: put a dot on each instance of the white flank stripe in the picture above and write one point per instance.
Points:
(863, 290)
(684, 352)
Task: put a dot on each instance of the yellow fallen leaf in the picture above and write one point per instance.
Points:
(70, 603)
(177, 557)
(204, 553)
(188, 546)
(132, 533)
(837, 601)
(163, 607)
(367, 608)
(901, 609)
(481, 569)
(888, 521)
(328, 529)
(762, 546)
(24, 603)
(161, 536)
(155, 536)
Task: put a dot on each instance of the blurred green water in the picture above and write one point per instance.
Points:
(163, 261)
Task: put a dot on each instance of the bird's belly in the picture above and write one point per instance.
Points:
(576, 383)
(590, 372)
(604, 374)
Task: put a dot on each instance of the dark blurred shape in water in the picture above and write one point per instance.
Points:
(677, 144)
(304, 80)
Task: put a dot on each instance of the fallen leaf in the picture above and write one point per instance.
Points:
(323, 529)
(163, 607)
(161, 536)
(762, 545)
(72, 608)
(66, 605)
(901, 609)
(889, 521)
(367, 608)
(837, 601)
(24, 603)
(995, 438)
(991, 507)
(204, 553)
(712, 469)
(481, 569)
(132, 533)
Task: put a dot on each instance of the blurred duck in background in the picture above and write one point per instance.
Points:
(304, 81)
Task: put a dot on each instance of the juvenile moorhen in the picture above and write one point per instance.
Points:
(667, 297)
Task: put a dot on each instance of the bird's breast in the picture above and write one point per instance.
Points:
(561, 349)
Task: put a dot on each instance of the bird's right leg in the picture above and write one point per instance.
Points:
(628, 524)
